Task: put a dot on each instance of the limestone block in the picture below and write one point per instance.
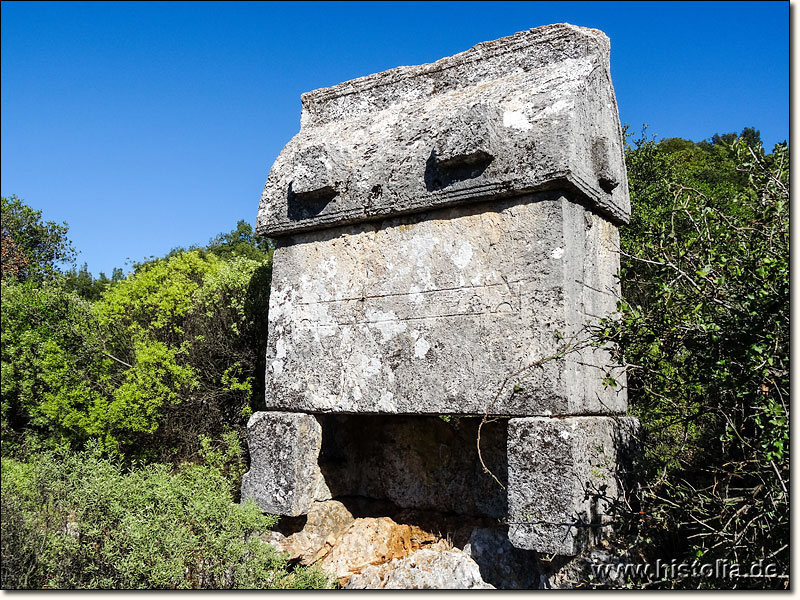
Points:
(325, 522)
(372, 541)
(284, 477)
(528, 112)
(429, 313)
(422, 570)
(566, 480)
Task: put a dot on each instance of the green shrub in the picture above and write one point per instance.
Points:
(704, 328)
(203, 318)
(165, 356)
(76, 520)
(54, 374)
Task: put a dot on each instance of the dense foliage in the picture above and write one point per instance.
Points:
(704, 329)
(156, 374)
(164, 355)
(77, 520)
(30, 248)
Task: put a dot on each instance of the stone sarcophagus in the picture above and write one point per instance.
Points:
(439, 228)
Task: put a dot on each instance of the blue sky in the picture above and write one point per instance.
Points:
(148, 126)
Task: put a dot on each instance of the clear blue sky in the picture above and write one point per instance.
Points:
(148, 126)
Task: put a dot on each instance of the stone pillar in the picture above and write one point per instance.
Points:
(566, 480)
(284, 477)
(437, 229)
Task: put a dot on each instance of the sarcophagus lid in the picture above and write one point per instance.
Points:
(530, 112)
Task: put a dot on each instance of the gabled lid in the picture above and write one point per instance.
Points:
(532, 111)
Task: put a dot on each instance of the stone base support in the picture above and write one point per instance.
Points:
(564, 479)
(567, 479)
(418, 462)
(284, 477)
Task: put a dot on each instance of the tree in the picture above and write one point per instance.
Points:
(54, 373)
(84, 284)
(31, 248)
(750, 135)
(241, 241)
(169, 353)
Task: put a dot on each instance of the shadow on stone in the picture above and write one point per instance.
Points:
(290, 525)
(501, 564)
(570, 482)
(439, 175)
(307, 205)
(415, 462)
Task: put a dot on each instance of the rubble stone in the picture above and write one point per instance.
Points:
(372, 541)
(423, 570)
(326, 521)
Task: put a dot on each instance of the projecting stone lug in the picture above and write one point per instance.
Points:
(568, 480)
(313, 175)
(606, 178)
(284, 477)
(469, 138)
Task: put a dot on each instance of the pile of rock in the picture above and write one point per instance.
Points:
(381, 552)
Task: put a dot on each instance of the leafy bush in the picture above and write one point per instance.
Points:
(704, 328)
(160, 365)
(76, 520)
(164, 356)
(203, 319)
(54, 375)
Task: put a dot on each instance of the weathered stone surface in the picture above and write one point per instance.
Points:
(273, 538)
(439, 228)
(501, 564)
(326, 521)
(430, 313)
(284, 477)
(582, 572)
(410, 461)
(567, 480)
(416, 462)
(423, 570)
(532, 111)
(372, 541)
